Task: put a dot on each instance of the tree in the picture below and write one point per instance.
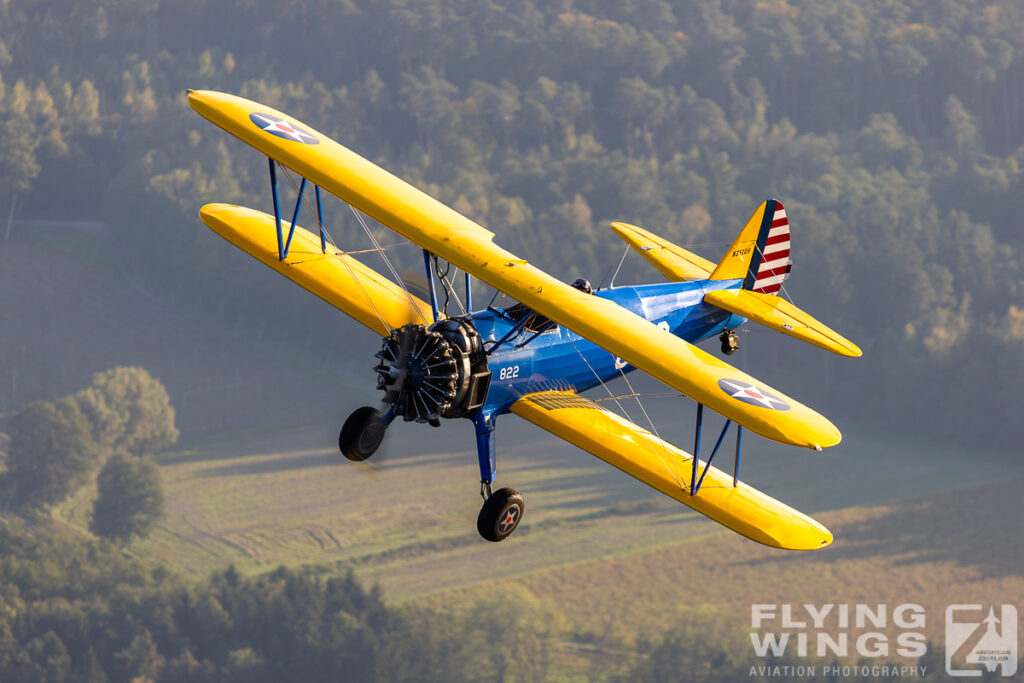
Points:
(130, 500)
(431, 101)
(18, 143)
(515, 631)
(141, 660)
(51, 451)
(85, 108)
(130, 411)
(697, 646)
(961, 129)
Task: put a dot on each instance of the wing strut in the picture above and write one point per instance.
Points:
(320, 221)
(284, 245)
(694, 479)
(430, 283)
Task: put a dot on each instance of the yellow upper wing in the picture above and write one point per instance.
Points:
(668, 469)
(455, 238)
(778, 314)
(337, 278)
(675, 263)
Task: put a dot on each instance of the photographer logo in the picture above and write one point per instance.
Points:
(977, 641)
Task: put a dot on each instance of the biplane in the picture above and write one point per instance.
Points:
(536, 356)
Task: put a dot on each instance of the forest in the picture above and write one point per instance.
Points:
(73, 609)
(892, 130)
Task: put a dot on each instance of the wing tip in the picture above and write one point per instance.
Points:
(207, 102)
(852, 350)
(213, 208)
(822, 541)
(833, 439)
(809, 535)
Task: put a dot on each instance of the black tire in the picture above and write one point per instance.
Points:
(500, 515)
(362, 434)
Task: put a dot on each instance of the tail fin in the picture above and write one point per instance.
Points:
(760, 254)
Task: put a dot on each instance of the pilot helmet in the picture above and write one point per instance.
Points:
(583, 284)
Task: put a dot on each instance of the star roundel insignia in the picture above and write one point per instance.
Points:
(748, 393)
(275, 125)
(508, 519)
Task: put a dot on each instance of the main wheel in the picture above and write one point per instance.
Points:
(500, 515)
(362, 434)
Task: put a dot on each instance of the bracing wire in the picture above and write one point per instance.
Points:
(377, 248)
(654, 430)
(604, 277)
(611, 395)
(444, 283)
(316, 219)
(447, 281)
(355, 278)
(659, 452)
(622, 260)
(632, 392)
(387, 262)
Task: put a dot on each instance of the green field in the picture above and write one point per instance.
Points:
(407, 522)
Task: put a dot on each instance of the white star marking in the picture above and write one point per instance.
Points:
(284, 128)
(750, 392)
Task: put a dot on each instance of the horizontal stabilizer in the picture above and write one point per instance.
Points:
(674, 262)
(668, 469)
(335, 277)
(778, 314)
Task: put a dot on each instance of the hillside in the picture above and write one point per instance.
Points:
(933, 551)
(407, 519)
(892, 132)
(73, 303)
(618, 564)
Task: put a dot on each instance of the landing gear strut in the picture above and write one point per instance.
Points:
(363, 433)
(503, 509)
(730, 342)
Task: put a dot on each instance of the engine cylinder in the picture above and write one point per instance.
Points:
(432, 372)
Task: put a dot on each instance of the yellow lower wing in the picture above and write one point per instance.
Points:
(437, 228)
(338, 279)
(675, 263)
(668, 469)
(778, 314)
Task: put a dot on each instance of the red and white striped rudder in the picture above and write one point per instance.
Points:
(772, 262)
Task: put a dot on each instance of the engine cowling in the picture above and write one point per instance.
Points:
(432, 372)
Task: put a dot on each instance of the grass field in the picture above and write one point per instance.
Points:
(407, 521)
(928, 551)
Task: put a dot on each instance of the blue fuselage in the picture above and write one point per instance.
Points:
(561, 359)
